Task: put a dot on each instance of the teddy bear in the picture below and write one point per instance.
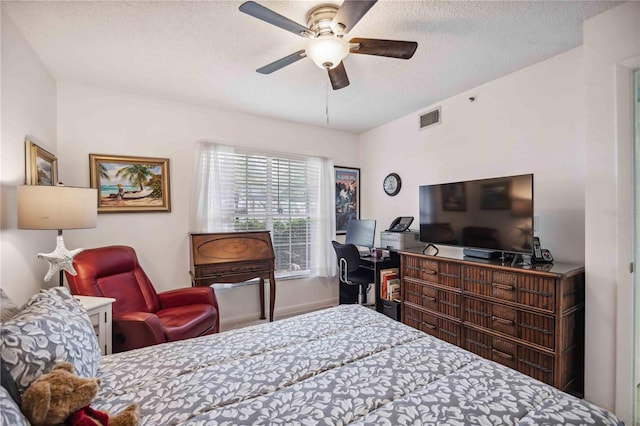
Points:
(60, 397)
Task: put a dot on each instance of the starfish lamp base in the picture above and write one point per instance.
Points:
(61, 259)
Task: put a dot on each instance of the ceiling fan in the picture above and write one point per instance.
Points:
(326, 27)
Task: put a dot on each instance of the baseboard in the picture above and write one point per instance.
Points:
(288, 311)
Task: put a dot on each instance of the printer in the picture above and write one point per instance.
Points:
(399, 240)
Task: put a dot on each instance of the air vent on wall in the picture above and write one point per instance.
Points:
(430, 118)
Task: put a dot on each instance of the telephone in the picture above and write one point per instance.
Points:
(540, 255)
(400, 224)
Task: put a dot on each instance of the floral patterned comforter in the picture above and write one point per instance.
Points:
(344, 365)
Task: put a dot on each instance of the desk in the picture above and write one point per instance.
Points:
(231, 257)
(376, 265)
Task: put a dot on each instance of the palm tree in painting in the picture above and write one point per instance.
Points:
(137, 174)
(103, 172)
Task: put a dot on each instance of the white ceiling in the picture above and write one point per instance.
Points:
(206, 52)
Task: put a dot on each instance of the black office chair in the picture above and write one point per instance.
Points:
(349, 271)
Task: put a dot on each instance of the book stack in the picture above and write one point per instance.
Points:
(389, 284)
(393, 289)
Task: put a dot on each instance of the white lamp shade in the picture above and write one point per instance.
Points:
(327, 51)
(57, 207)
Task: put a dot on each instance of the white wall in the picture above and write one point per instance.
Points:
(527, 122)
(28, 109)
(561, 120)
(99, 121)
(609, 40)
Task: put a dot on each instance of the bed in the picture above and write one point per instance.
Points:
(343, 365)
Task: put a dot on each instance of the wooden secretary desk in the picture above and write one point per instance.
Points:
(231, 257)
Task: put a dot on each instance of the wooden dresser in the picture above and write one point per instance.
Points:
(531, 320)
(231, 257)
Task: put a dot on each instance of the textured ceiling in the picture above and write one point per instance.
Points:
(206, 52)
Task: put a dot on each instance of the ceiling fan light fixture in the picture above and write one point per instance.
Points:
(327, 51)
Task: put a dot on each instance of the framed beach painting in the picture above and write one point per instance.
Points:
(347, 197)
(41, 167)
(130, 184)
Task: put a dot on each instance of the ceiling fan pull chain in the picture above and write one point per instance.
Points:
(326, 111)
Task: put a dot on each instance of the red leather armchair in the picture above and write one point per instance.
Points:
(142, 317)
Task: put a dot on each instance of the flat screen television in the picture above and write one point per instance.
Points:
(492, 214)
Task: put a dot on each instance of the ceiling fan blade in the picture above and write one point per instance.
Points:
(338, 77)
(388, 48)
(350, 14)
(267, 15)
(283, 62)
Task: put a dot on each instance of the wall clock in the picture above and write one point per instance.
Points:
(392, 184)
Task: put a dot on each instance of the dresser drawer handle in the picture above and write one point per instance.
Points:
(503, 286)
(475, 312)
(431, 326)
(444, 274)
(449, 333)
(409, 317)
(474, 342)
(502, 354)
(430, 299)
(534, 365)
(503, 320)
(413, 293)
(429, 272)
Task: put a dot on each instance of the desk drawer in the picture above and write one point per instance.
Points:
(212, 271)
(391, 308)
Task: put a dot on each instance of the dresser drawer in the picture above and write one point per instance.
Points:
(436, 326)
(422, 269)
(450, 274)
(433, 298)
(533, 363)
(526, 290)
(476, 280)
(537, 292)
(531, 327)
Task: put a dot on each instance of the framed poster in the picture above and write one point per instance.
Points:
(41, 167)
(347, 196)
(130, 184)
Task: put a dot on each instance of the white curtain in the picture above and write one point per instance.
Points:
(213, 199)
(323, 229)
(213, 189)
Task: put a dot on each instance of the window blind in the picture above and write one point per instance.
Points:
(277, 194)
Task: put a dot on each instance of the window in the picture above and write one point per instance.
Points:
(247, 190)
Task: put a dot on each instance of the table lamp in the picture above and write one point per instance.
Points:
(57, 207)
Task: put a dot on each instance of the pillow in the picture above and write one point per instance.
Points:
(8, 307)
(52, 327)
(10, 413)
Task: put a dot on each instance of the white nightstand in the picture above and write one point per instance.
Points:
(99, 310)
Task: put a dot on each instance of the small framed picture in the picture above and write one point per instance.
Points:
(496, 196)
(41, 167)
(454, 197)
(347, 197)
(130, 184)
